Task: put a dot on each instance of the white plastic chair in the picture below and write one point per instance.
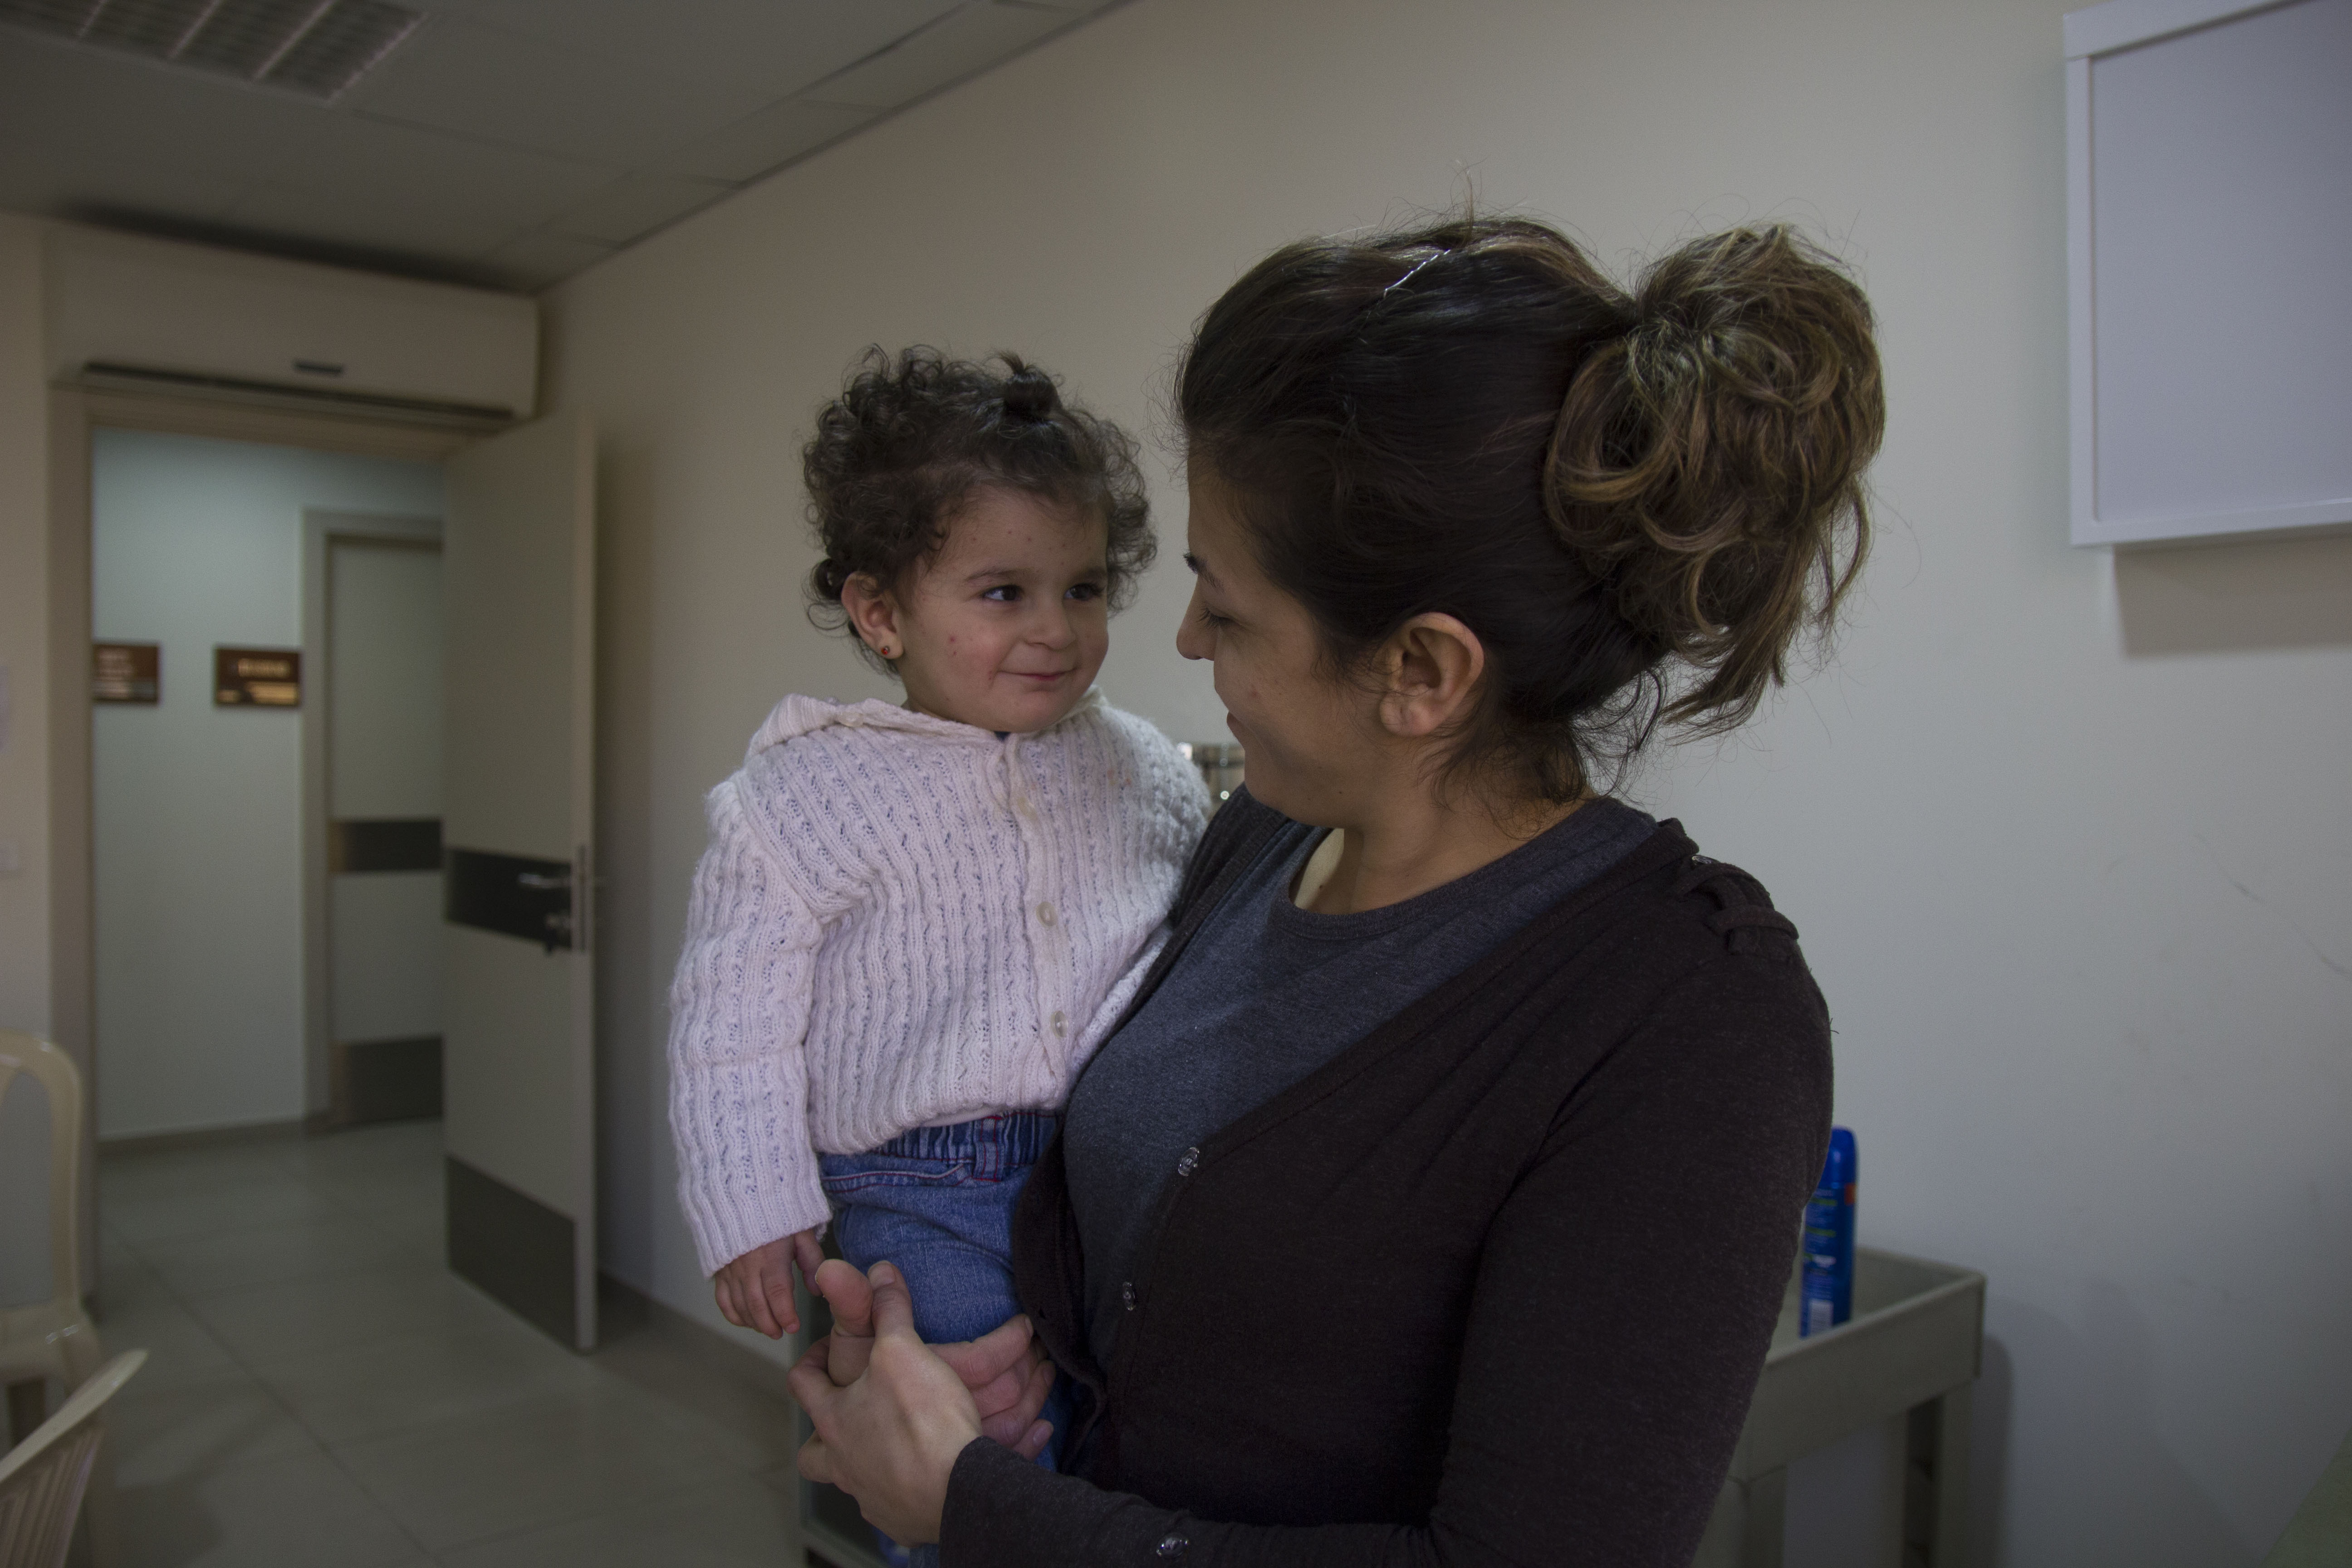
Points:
(42, 1478)
(53, 1338)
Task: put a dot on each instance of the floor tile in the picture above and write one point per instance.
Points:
(734, 1523)
(379, 1194)
(185, 1430)
(748, 1409)
(368, 1391)
(301, 1511)
(266, 1255)
(143, 1172)
(179, 1348)
(321, 1390)
(331, 1311)
(424, 1228)
(404, 1149)
(210, 1210)
(553, 1460)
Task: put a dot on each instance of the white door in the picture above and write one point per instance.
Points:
(384, 689)
(518, 987)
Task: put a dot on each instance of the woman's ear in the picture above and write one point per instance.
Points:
(1429, 675)
(872, 612)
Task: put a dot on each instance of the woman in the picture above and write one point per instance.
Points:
(1434, 1202)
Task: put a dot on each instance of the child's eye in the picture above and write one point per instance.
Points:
(1002, 593)
(1083, 591)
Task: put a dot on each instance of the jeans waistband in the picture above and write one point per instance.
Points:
(993, 1143)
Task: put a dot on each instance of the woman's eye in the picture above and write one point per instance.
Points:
(1002, 593)
(1210, 617)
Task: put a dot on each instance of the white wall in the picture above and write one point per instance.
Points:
(24, 635)
(24, 755)
(2066, 832)
(198, 809)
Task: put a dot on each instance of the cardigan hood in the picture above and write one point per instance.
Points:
(796, 715)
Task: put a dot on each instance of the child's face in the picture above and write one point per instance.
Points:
(1006, 627)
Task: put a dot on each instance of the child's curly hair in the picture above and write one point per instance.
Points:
(910, 437)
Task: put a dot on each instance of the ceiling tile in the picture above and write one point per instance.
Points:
(776, 135)
(62, 185)
(975, 36)
(486, 82)
(404, 165)
(139, 119)
(412, 225)
(536, 260)
(635, 206)
(768, 48)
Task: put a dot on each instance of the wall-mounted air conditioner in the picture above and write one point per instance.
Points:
(159, 316)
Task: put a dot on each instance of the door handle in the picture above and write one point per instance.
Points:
(542, 881)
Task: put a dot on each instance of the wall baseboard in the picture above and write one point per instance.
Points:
(204, 1137)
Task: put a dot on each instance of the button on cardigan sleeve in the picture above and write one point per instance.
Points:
(738, 1013)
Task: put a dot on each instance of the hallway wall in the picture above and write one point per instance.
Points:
(24, 635)
(2066, 831)
(198, 809)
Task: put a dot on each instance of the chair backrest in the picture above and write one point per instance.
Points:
(54, 1072)
(42, 1478)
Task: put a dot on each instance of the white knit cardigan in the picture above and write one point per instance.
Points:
(902, 922)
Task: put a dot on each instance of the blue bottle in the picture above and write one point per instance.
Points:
(1827, 1290)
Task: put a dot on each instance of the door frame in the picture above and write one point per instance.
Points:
(73, 413)
(323, 528)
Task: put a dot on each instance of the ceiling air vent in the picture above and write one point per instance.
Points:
(315, 48)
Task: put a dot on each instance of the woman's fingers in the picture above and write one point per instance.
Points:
(1032, 1443)
(893, 1307)
(1003, 1349)
(850, 1295)
(816, 1394)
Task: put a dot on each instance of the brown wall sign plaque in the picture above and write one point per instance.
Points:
(126, 672)
(256, 678)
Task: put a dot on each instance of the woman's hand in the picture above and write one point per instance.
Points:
(1006, 1370)
(755, 1291)
(891, 1437)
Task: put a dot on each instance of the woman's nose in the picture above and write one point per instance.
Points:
(1193, 632)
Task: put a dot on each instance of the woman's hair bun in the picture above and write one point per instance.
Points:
(1707, 463)
(1029, 393)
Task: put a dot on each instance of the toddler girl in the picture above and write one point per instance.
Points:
(914, 923)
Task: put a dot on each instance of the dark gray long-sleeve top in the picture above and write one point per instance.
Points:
(1267, 992)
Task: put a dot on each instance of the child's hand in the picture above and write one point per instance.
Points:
(755, 1291)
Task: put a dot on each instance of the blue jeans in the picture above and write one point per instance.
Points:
(938, 1201)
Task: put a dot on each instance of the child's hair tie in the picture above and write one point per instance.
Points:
(1029, 395)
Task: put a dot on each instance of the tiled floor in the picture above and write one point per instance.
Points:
(321, 1390)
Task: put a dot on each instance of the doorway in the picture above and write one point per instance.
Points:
(201, 838)
(515, 927)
